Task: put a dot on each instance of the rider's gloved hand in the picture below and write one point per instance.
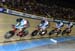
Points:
(13, 26)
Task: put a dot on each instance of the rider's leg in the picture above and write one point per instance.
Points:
(58, 31)
(43, 30)
(71, 27)
(20, 33)
(68, 31)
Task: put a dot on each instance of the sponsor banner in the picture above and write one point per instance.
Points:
(64, 21)
(2, 9)
(14, 12)
(30, 15)
(23, 14)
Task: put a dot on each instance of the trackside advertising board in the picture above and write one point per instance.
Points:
(12, 12)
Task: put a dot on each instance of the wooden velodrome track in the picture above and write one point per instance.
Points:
(7, 20)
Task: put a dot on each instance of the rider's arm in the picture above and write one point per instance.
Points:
(40, 25)
(18, 24)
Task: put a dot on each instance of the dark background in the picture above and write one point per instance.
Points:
(63, 3)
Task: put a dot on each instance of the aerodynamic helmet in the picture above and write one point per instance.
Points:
(19, 19)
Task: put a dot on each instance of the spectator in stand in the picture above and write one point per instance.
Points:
(3, 2)
(39, 8)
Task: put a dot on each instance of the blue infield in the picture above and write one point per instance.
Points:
(33, 43)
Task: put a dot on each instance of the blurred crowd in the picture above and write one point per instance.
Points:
(33, 7)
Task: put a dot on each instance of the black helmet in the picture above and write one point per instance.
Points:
(43, 21)
(69, 22)
(58, 22)
(19, 20)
